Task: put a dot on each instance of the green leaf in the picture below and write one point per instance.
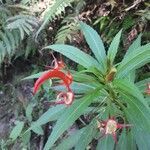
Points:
(26, 138)
(86, 137)
(138, 115)
(137, 43)
(131, 142)
(69, 116)
(37, 129)
(76, 87)
(50, 115)
(69, 142)
(52, 11)
(34, 76)
(137, 112)
(131, 76)
(75, 54)
(16, 130)
(47, 84)
(130, 89)
(6, 41)
(29, 110)
(83, 78)
(122, 143)
(106, 143)
(134, 46)
(147, 99)
(11, 39)
(112, 51)
(95, 43)
(134, 61)
(142, 85)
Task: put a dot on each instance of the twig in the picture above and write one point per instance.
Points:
(134, 4)
(41, 143)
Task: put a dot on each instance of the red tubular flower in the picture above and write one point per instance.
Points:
(55, 73)
(110, 126)
(148, 89)
(56, 65)
(65, 98)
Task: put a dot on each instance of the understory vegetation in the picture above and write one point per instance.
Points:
(74, 74)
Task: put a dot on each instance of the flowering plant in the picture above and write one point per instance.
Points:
(101, 90)
(63, 97)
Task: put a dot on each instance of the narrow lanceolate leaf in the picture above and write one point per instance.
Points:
(126, 141)
(130, 89)
(95, 43)
(134, 45)
(122, 143)
(34, 76)
(38, 130)
(75, 54)
(71, 141)
(106, 143)
(50, 115)
(131, 142)
(134, 61)
(69, 116)
(29, 110)
(83, 78)
(86, 137)
(137, 112)
(26, 138)
(16, 130)
(142, 85)
(76, 87)
(137, 115)
(131, 76)
(112, 51)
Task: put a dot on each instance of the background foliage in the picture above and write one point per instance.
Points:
(28, 26)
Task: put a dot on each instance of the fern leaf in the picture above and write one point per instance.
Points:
(52, 11)
(2, 52)
(30, 47)
(11, 39)
(24, 23)
(13, 29)
(16, 36)
(65, 32)
(25, 29)
(6, 42)
(69, 27)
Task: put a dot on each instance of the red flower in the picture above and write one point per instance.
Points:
(65, 98)
(148, 89)
(67, 78)
(56, 65)
(110, 126)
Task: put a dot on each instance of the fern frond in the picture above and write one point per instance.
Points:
(2, 52)
(13, 28)
(69, 27)
(54, 10)
(23, 23)
(4, 14)
(30, 48)
(8, 44)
